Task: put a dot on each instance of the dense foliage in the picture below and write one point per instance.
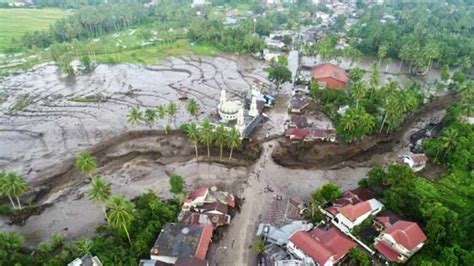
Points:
(420, 33)
(445, 207)
(113, 248)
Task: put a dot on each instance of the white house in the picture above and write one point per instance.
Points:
(351, 215)
(415, 161)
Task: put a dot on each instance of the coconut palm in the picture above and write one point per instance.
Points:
(13, 186)
(233, 140)
(121, 214)
(375, 76)
(448, 140)
(192, 132)
(171, 110)
(100, 191)
(85, 162)
(134, 116)
(358, 91)
(161, 112)
(193, 107)
(220, 137)
(207, 134)
(150, 116)
(84, 245)
(382, 52)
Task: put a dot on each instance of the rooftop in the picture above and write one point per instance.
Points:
(408, 234)
(182, 240)
(326, 70)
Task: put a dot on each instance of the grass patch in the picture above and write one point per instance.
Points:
(21, 103)
(17, 21)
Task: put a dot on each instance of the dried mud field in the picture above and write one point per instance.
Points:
(46, 117)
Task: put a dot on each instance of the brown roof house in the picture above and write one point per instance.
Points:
(398, 242)
(205, 195)
(320, 246)
(181, 241)
(330, 75)
(415, 161)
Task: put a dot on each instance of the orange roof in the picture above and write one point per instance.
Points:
(311, 247)
(334, 241)
(407, 234)
(328, 70)
(352, 212)
(387, 251)
(204, 241)
(198, 192)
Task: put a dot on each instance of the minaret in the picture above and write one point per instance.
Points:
(253, 107)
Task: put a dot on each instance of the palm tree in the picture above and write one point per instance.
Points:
(192, 132)
(448, 140)
(193, 107)
(382, 52)
(10, 242)
(85, 162)
(375, 76)
(161, 109)
(171, 110)
(121, 214)
(150, 116)
(134, 116)
(358, 91)
(207, 134)
(220, 137)
(100, 191)
(84, 245)
(13, 186)
(233, 140)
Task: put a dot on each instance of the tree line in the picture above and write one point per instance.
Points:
(422, 32)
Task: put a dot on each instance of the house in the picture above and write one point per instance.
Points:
(280, 235)
(177, 241)
(297, 103)
(271, 254)
(215, 220)
(351, 215)
(86, 260)
(311, 134)
(216, 207)
(320, 246)
(415, 161)
(330, 75)
(203, 195)
(298, 121)
(398, 242)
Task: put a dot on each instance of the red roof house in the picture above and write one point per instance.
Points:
(400, 241)
(352, 212)
(331, 75)
(320, 245)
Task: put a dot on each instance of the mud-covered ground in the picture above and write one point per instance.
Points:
(44, 118)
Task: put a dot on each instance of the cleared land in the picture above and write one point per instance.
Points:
(17, 21)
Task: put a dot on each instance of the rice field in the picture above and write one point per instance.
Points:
(14, 22)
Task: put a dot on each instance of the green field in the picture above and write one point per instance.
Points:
(14, 22)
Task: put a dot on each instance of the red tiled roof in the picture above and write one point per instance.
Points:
(204, 242)
(352, 212)
(214, 206)
(311, 247)
(387, 251)
(334, 240)
(387, 218)
(326, 70)
(198, 192)
(299, 133)
(407, 234)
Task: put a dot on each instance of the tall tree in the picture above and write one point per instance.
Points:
(207, 134)
(375, 76)
(121, 214)
(194, 134)
(355, 124)
(150, 116)
(193, 107)
(85, 162)
(171, 110)
(382, 52)
(220, 137)
(176, 184)
(358, 91)
(13, 186)
(100, 191)
(233, 140)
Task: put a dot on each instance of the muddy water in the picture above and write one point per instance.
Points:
(54, 124)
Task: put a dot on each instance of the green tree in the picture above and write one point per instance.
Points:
(220, 138)
(445, 73)
(13, 186)
(193, 107)
(207, 134)
(382, 52)
(10, 245)
(176, 184)
(85, 162)
(171, 110)
(150, 116)
(355, 124)
(134, 116)
(375, 76)
(162, 112)
(121, 214)
(233, 140)
(259, 245)
(358, 91)
(278, 73)
(100, 191)
(356, 74)
(330, 192)
(194, 134)
(358, 257)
